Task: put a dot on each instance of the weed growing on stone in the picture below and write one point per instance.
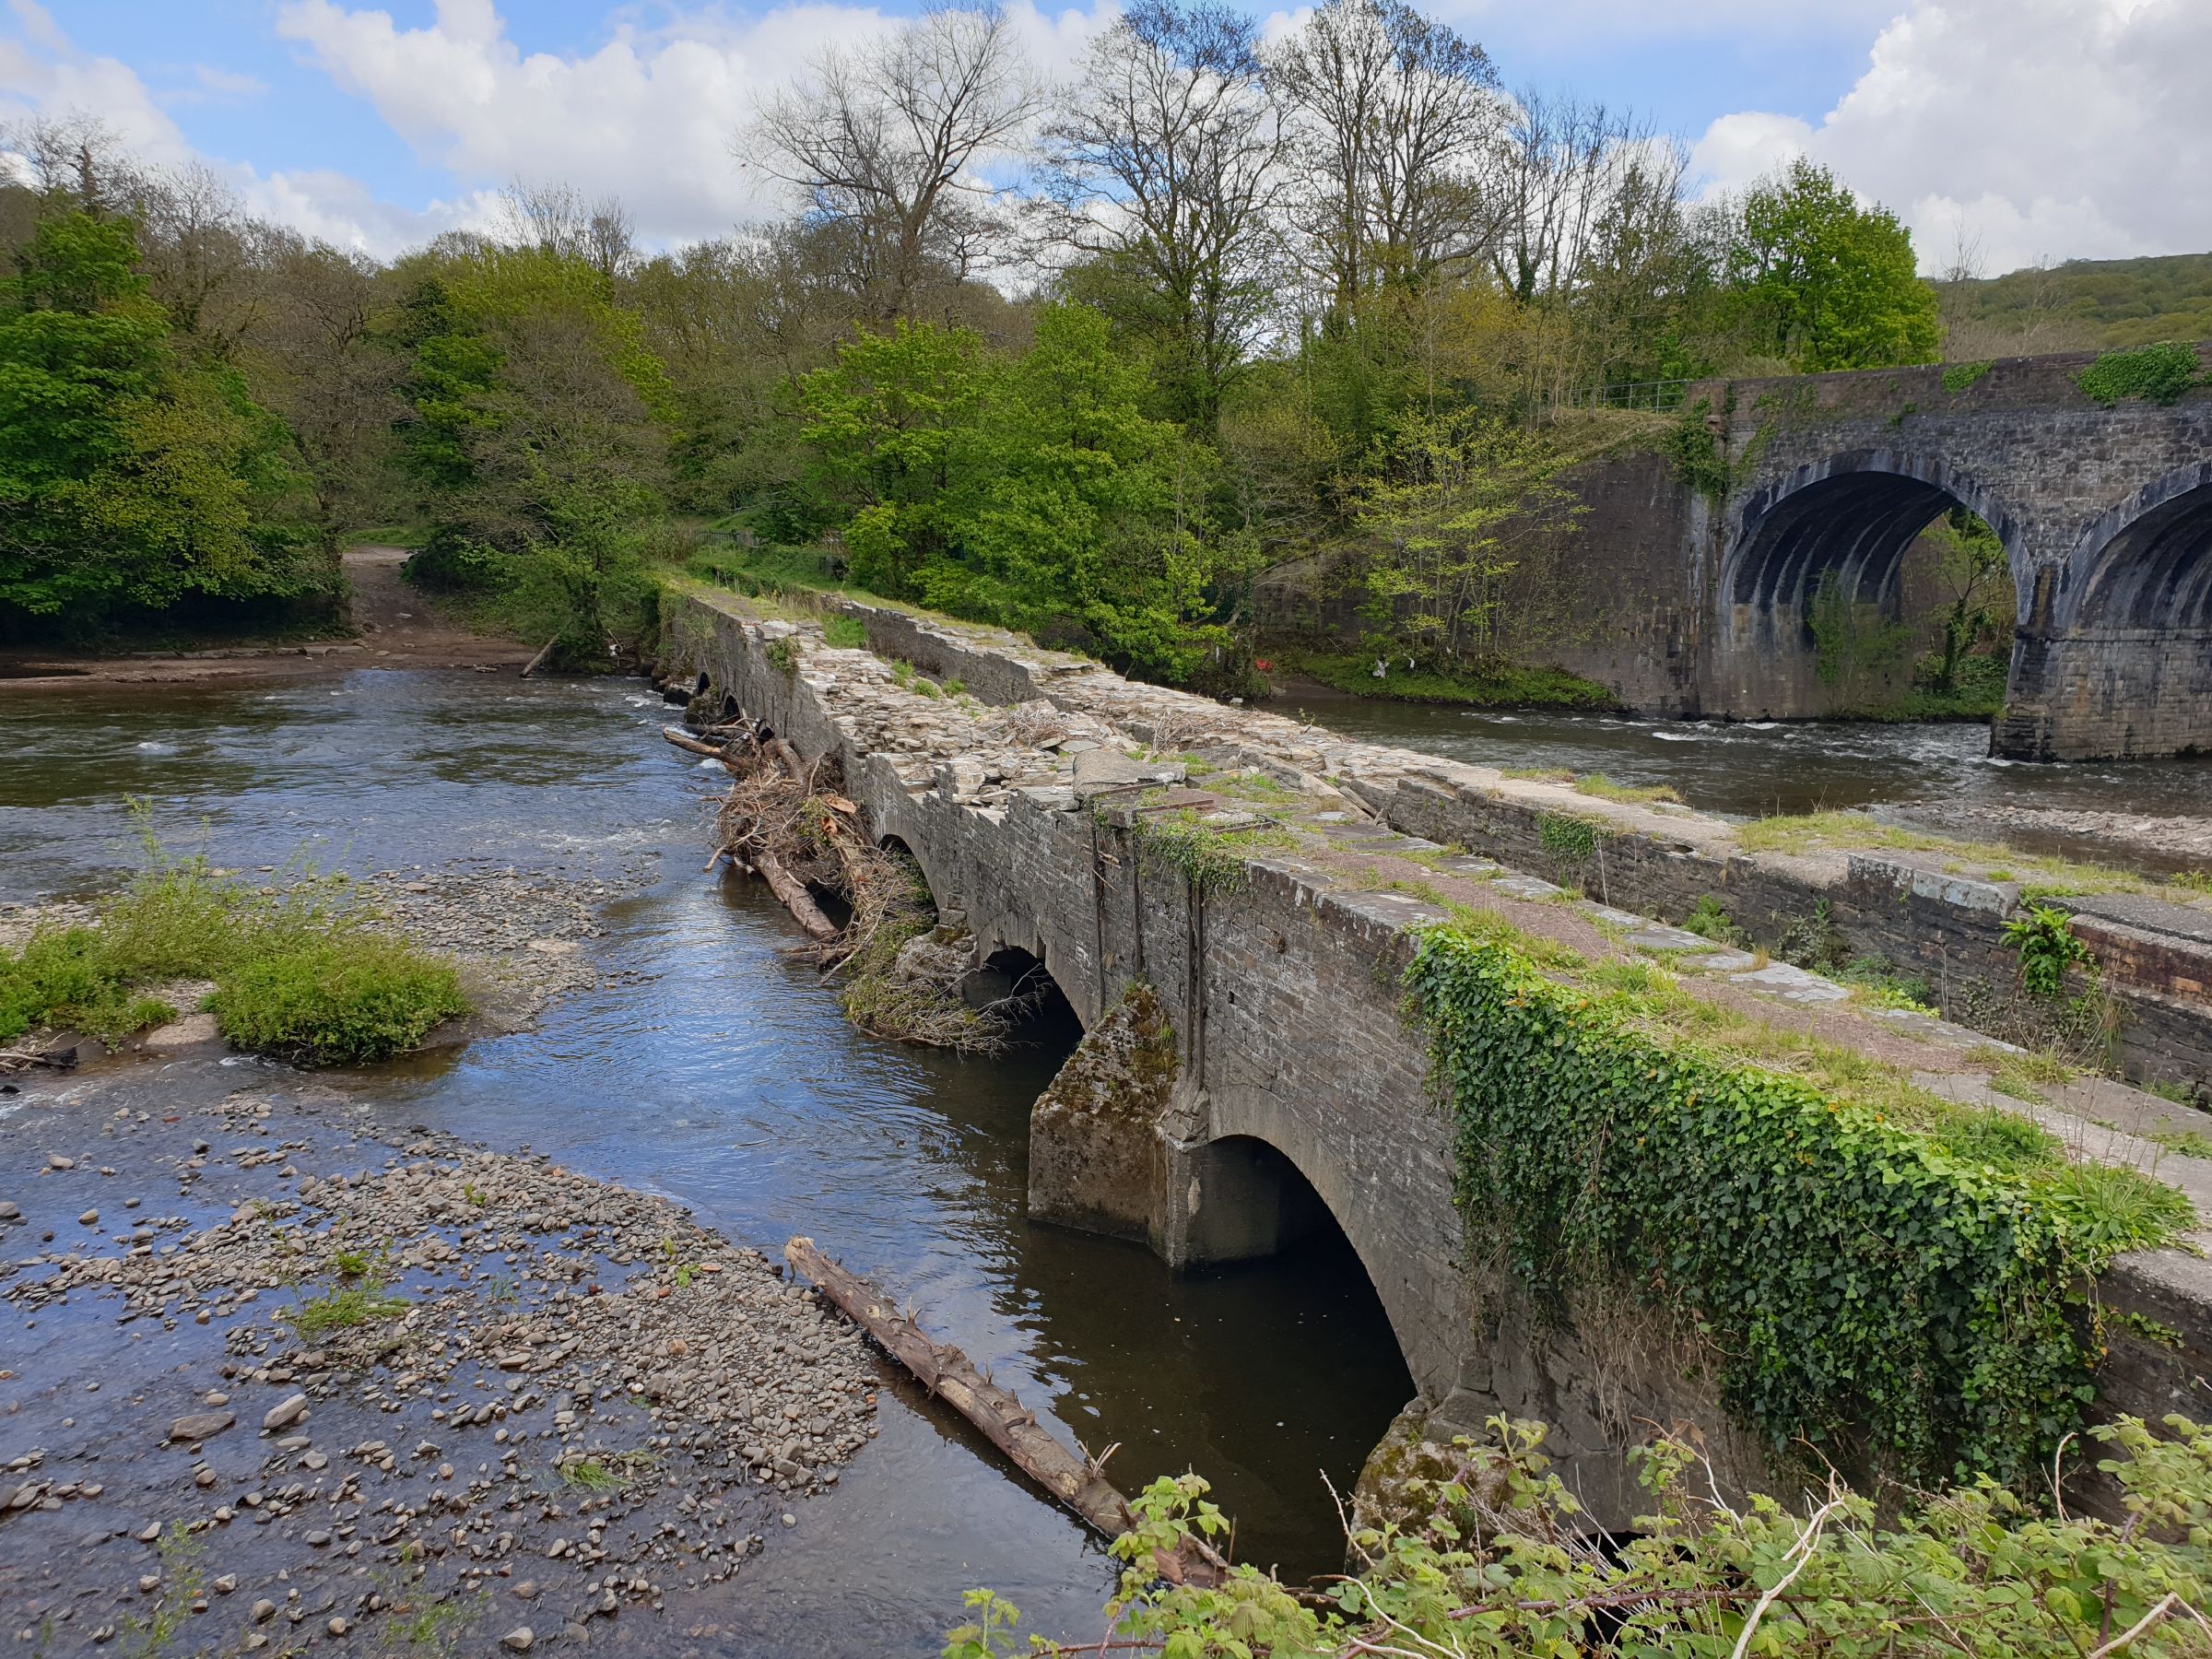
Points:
(1628, 794)
(847, 633)
(1711, 920)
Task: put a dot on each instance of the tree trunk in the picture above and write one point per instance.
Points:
(794, 896)
(1010, 1425)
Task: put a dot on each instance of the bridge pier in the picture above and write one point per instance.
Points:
(2116, 695)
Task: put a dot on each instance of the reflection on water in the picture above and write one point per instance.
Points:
(711, 1067)
(1752, 767)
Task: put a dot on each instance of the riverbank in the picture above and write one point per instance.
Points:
(396, 626)
(278, 1378)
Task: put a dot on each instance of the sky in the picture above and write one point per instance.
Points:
(2033, 130)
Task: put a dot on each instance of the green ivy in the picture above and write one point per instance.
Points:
(782, 655)
(2157, 374)
(1960, 377)
(1864, 1292)
(1699, 460)
(1570, 839)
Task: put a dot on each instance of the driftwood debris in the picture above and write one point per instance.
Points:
(1010, 1425)
(53, 1059)
(684, 740)
(795, 899)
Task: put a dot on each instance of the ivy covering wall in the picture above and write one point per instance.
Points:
(1865, 1288)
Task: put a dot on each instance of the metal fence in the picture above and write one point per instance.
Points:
(1655, 395)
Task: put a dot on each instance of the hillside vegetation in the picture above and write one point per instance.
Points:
(2085, 304)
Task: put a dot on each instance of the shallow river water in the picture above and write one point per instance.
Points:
(1752, 767)
(710, 1066)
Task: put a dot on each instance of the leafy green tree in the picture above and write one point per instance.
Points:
(1826, 283)
(1451, 506)
(889, 424)
(1093, 512)
(129, 482)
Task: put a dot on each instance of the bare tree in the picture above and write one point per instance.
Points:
(75, 161)
(1162, 164)
(884, 143)
(555, 218)
(313, 359)
(1395, 119)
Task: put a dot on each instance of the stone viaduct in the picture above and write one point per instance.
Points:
(1703, 605)
(1287, 1084)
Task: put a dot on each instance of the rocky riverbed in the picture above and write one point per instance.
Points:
(276, 1378)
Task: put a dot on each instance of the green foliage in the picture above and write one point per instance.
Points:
(2044, 940)
(1864, 1289)
(344, 1308)
(1857, 644)
(782, 654)
(1495, 1560)
(1828, 284)
(336, 1002)
(2087, 303)
(1029, 493)
(1449, 507)
(1962, 377)
(303, 972)
(1209, 855)
(1698, 459)
(2156, 374)
(1603, 788)
(847, 633)
(1569, 839)
(1710, 920)
(132, 482)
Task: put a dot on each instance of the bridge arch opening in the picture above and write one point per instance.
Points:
(2155, 569)
(1846, 573)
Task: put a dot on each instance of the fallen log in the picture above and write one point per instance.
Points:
(794, 896)
(544, 652)
(684, 740)
(1010, 1425)
(789, 757)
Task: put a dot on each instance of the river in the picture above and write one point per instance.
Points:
(1941, 775)
(710, 1066)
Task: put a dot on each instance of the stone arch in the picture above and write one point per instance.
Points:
(1244, 1193)
(1853, 514)
(1856, 512)
(2146, 563)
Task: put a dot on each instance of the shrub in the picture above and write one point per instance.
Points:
(1497, 1559)
(337, 1001)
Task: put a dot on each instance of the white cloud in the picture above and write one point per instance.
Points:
(649, 116)
(2046, 128)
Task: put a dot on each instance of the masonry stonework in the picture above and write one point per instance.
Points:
(1296, 1087)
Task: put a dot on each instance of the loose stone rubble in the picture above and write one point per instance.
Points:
(383, 1389)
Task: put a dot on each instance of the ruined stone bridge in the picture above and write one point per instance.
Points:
(1690, 605)
(1248, 1071)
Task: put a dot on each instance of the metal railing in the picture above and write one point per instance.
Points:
(1658, 397)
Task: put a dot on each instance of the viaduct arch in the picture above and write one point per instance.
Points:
(2105, 515)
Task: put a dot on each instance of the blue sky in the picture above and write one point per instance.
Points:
(2049, 128)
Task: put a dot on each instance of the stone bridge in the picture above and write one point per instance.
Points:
(1689, 606)
(1248, 1071)
(2105, 515)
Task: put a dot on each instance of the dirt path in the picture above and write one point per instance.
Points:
(398, 628)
